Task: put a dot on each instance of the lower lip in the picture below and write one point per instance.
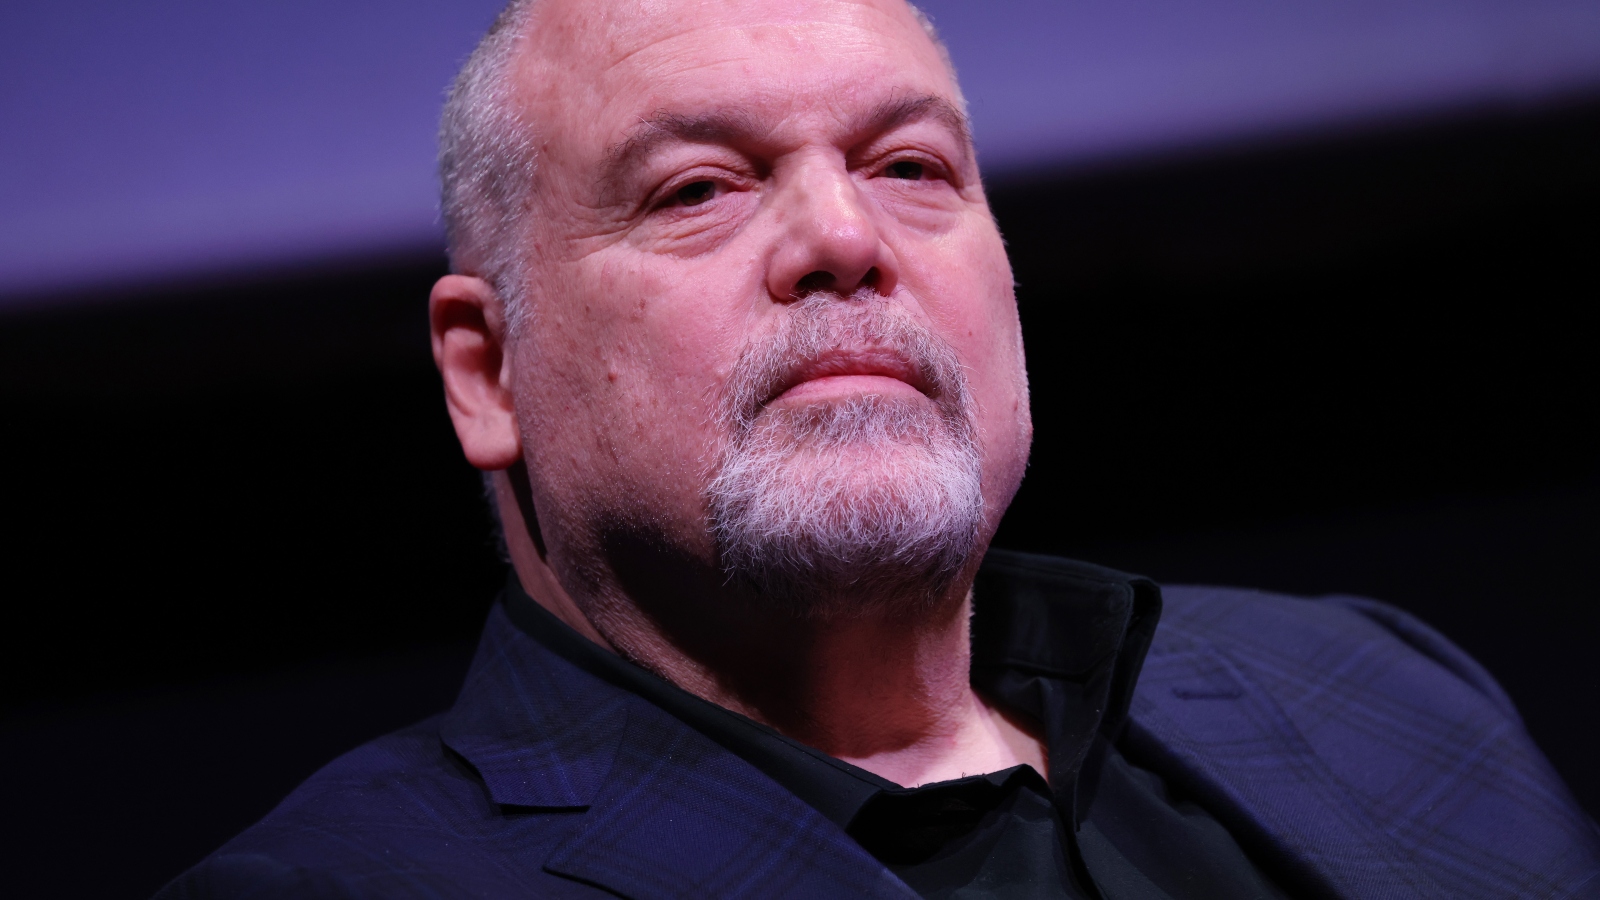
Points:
(834, 387)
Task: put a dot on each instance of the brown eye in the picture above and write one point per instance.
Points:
(697, 193)
(910, 171)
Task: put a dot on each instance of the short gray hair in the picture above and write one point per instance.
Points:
(486, 161)
(487, 158)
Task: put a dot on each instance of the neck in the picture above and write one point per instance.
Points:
(889, 693)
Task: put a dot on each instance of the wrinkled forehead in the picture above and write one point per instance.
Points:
(588, 68)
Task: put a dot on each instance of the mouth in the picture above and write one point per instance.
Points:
(843, 374)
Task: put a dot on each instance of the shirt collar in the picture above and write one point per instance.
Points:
(1062, 642)
(1056, 640)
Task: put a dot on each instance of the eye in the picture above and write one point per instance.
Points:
(907, 169)
(696, 193)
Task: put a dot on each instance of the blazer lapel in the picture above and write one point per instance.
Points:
(666, 812)
(539, 731)
(1219, 737)
(679, 816)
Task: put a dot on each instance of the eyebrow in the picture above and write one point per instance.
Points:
(735, 125)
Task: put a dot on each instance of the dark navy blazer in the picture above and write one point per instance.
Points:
(1340, 740)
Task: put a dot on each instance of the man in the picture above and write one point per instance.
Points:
(734, 332)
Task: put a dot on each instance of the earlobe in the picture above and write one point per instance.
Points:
(467, 321)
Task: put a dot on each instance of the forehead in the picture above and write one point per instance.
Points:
(591, 68)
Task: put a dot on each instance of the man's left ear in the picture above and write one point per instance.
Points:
(468, 320)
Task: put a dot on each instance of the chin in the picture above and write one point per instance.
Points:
(862, 508)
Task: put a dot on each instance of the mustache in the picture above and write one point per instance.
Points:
(822, 328)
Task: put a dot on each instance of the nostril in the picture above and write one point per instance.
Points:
(821, 282)
(814, 283)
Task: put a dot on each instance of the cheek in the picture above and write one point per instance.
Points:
(568, 392)
(974, 305)
(967, 291)
(664, 333)
(671, 336)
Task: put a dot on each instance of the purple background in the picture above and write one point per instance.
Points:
(178, 138)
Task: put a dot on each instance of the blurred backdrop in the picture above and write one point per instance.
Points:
(1305, 288)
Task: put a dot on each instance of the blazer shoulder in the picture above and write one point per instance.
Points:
(1251, 622)
(408, 766)
(1355, 747)
(401, 816)
(257, 876)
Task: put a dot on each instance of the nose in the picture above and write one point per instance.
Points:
(832, 240)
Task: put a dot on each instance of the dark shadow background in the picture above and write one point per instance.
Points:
(240, 538)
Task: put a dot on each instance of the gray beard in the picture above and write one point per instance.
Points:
(866, 506)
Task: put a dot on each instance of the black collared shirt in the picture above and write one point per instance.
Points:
(1057, 641)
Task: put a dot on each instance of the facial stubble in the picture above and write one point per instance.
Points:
(866, 505)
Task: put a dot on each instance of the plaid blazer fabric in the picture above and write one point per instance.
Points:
(1347, 743)
(1344, 744)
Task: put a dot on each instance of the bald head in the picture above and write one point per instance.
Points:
(489, 138)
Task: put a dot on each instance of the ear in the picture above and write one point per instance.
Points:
(468, 321)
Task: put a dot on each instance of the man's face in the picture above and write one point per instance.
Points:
(714, 178)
